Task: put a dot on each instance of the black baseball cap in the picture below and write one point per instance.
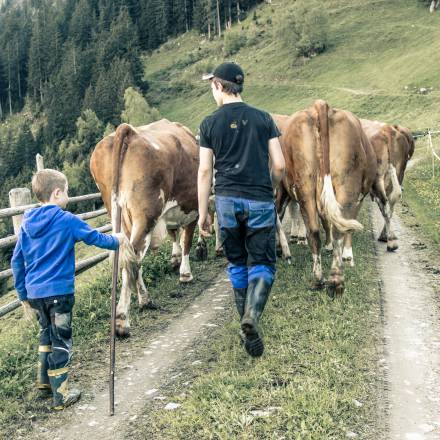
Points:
(231, 72)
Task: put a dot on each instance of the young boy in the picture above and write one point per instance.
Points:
(43, 265)
(242, 139)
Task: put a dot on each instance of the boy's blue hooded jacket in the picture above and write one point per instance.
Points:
(43, 262)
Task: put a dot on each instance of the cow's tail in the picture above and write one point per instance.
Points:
(330, 206)
(396, 190)
(120, 145)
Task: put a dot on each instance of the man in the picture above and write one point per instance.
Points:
(242, 139)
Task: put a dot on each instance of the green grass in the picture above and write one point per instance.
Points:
(421, 193)
(318, 371)
(377, 48)
(19, 340)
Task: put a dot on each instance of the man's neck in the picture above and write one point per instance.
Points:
(229, 99)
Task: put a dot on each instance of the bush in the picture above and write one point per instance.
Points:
(306, 32)
(234, 41)
(137, 111)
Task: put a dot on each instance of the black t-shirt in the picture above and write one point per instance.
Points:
(239, 136)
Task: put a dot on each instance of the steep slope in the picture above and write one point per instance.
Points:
(381, 53)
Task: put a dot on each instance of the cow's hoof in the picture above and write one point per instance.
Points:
(201, 252)
(219, 252)
(328, 247)
(279, 251)
(150, 305)
(392, 245)
(186, 277)
(348, 262)
(289, 260)
(122, 331)
(382, 238)
(293, 238)
(175, 262)
(147, 304)
(317, 284)
(335, 286)
(302, 241)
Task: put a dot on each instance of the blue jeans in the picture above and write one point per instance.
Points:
(55, 319)
(248, 234)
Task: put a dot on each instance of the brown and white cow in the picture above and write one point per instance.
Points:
(330, 167)
(394, 147)
(151, 172)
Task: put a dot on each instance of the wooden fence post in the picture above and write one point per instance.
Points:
(40, 162)
(19, 197)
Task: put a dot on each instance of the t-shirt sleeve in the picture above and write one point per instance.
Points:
(272, 128)
(205, 140)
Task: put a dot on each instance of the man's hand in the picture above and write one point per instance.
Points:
(205, 226)
(28, 312)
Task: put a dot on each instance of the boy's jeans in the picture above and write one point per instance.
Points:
(55, 319)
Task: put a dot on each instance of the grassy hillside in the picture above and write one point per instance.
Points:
(377, 48)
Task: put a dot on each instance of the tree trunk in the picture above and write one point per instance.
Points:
(209, 19)
(219, 28)
(9, 79)
(18, 72)
(186, 16)
(238, 12)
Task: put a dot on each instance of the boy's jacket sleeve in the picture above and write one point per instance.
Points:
(83, 232)
(19, 270)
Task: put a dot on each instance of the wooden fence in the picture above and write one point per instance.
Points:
(20, 199)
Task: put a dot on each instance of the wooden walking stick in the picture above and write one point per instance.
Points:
(113, 314)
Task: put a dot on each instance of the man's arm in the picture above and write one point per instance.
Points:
(277, 161)
(204, 182)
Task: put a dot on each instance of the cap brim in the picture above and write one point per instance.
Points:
(207, 76)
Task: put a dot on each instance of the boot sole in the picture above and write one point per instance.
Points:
(253, 342)
(70, 401)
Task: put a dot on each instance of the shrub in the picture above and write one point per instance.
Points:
(306, 31)
(234, 41)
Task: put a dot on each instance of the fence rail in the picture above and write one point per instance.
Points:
(22, 205)
(80, 267)
(10, 212)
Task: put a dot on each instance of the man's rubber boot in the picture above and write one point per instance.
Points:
(240, 300)
(62, 396)
(43, 383)
(257, 295)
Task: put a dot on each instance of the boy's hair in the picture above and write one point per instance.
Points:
(46, 181)
(229, 87)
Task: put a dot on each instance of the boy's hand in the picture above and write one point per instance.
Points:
(28, 312)
(120, 236)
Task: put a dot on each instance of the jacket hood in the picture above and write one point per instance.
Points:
(37, 221)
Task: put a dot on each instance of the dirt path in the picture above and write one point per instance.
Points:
(412, 337)
(140, 380)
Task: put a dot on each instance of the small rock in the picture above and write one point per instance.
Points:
(351, 434)
(357, 404)
(150, 392)
(171, 405)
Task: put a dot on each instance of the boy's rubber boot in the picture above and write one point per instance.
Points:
(43, 383)
(257, 294)
(62, 396)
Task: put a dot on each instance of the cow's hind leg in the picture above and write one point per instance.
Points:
(328, 234)
(298, 231)
(335, 285)
(185, 241)
(285, 250)
(176, 253)
(312, 224)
